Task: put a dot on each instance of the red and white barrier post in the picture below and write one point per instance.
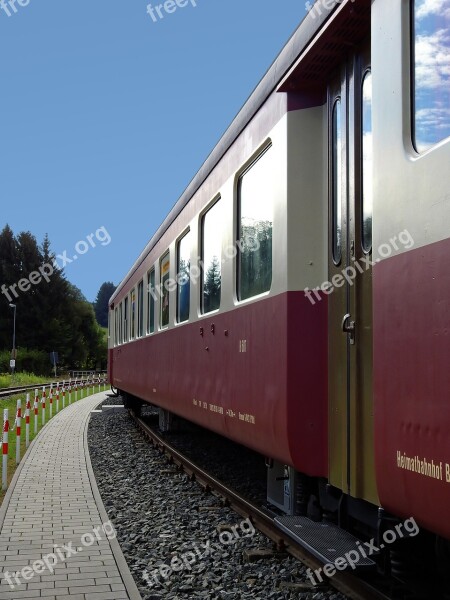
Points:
(27, 422)
(50, 401)
(43, 406)
(57, 397)
(36, 411)
(5, 450)
(64, 394)
(76, 391)
(70, 392)
(18, 429)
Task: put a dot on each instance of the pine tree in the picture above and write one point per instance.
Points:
(101, 304)
(9, 275)
(212, 285)
(52, 315)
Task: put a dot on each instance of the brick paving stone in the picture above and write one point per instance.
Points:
(52, 506)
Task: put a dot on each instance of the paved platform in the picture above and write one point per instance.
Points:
(55, 539)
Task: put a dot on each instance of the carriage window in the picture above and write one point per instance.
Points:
(133, 314)
(431, 72)
(165, 283)
(211, 258)
(125, 320)
(336, 200)
(367, 161)
(151, 299)
(183, 277)
(140, 331)
(255, 205)
(120, 324)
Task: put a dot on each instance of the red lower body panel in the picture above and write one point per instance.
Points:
(260, 378)
(412, 384)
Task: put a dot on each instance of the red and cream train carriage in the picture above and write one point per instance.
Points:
(297, 297)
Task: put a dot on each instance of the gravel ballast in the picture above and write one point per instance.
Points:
(180, 542)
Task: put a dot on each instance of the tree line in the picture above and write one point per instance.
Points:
(52, 315)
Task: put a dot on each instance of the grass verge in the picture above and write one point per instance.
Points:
(11, 404)
(18, 379)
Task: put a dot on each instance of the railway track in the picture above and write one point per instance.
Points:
(6, 392)
(346, 583)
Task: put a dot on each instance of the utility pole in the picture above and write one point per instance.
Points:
(12, 363)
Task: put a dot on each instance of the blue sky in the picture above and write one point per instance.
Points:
(106, 115)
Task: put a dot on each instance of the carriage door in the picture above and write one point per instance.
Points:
(351, 454)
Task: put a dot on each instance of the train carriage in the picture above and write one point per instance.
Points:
(297, 297)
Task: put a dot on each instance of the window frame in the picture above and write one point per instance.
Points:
(151, 302)
(140, 309)
(335, 193)
(125, 320)
(179, 286)
(367, 250)
(256, 158)
(203, 216)
(164, 291)
(132, 295)
(120, 339)
(413, 87)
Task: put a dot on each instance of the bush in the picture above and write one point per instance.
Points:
(30, 361)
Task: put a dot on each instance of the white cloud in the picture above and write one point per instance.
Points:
(433, 7)
(432, 72)
(432, 125)
(433, 59)
(438, 118)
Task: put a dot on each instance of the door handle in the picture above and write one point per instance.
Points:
(349, 327)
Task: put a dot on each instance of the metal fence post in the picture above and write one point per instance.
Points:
(18, 431)
(5, 450)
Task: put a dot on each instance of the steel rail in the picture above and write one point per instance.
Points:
(348, 584)
(6, 392)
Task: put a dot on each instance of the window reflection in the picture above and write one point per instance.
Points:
(255, 230)
(337, 182)
(151, 299)
(211, 258)
(183, 278)
(432, 72)
(125, 320)
(165, 273)
(367, 162)
(133, 313)
(141, 309)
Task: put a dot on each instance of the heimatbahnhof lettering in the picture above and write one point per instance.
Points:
(424, 467)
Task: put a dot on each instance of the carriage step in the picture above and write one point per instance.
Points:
(327, 542)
